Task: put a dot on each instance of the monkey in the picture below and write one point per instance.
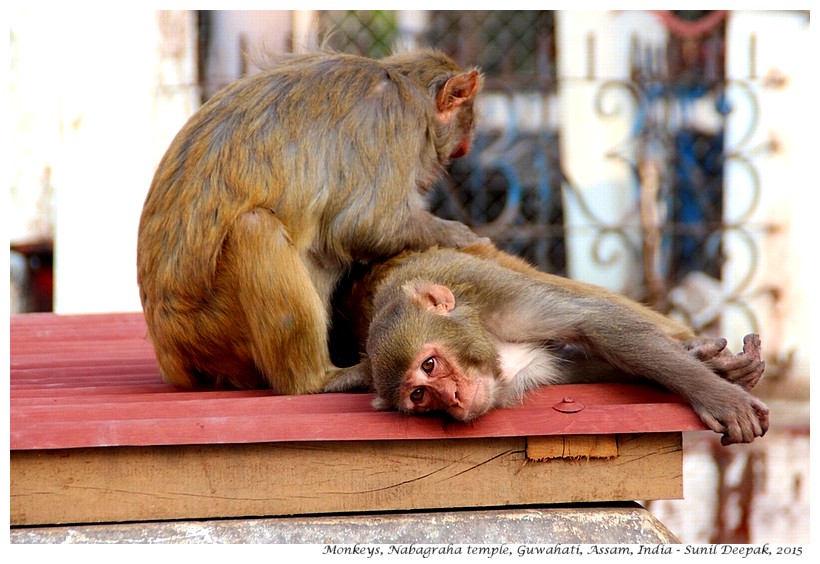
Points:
(467, 330)
(272, 189)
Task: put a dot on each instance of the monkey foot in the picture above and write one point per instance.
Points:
(734, 413)
(744, 369)
(745, 429)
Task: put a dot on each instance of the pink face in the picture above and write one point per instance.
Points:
(435, 382)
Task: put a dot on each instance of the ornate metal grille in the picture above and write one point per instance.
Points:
(511, 186)
(676, 162)
(360, 32)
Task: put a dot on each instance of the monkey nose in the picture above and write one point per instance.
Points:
(454, 400)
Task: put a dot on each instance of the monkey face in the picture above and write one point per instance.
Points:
(429, 352)
(437, 381)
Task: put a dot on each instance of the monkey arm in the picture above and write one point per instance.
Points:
(630, 342)
(669, 326)
(350, 379)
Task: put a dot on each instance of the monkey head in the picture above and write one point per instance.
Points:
(454, 109)
(454, 93)
(429, 353)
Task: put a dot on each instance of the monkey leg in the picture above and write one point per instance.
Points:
(166, 331)
(744, 369)
(353, 378)
(286, 319)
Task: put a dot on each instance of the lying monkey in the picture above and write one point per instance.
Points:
(466, 331)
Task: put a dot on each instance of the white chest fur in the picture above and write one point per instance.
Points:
(527, 364)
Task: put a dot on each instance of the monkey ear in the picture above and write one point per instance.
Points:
(430, 296)
(456, 91)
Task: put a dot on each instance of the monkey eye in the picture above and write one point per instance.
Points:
(417, 395)
(428, 365)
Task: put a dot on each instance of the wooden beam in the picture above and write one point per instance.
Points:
(195, 482)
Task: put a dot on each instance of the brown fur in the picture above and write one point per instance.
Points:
(424, 315)
(272, 189)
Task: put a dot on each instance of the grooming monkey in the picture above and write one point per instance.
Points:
(464, 331)
(272, 189)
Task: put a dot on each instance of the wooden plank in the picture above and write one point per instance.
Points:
(192, 482)
(333, 417)
(94, 379)
(130, 323)
(123, 370)
(71, 397)
(96, 436)
(30, 331)
(575, 446)
(92, 390)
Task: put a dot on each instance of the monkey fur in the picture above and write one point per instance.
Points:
(272, 189)
(464, 331)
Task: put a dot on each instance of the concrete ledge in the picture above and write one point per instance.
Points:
(627, 523)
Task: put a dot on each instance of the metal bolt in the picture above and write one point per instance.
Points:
(568, 405)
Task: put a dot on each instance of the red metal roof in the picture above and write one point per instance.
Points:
(92, 381)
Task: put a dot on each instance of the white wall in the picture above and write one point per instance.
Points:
(99, 98)
(241, 37)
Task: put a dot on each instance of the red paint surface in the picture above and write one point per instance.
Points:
(92, 381)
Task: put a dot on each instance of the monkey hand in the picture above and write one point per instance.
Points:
(454, 234)
(354, 378)
(735, 413)
(744, 369)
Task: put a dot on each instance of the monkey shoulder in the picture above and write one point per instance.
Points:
(489, 277)
(323, 86)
